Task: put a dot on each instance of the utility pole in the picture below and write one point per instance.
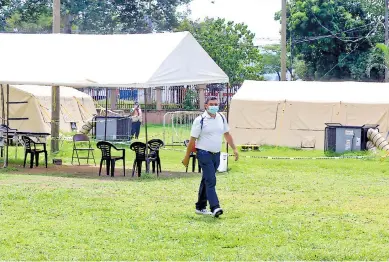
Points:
(386, 39)
(283, 41)
(55, 94)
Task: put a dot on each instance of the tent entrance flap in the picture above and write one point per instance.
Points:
(254, 115)
(309, 117)
(18, 112)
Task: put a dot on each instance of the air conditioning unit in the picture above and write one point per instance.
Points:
(340, 139)
(118, 128)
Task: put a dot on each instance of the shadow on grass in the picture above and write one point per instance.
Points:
(91, 172)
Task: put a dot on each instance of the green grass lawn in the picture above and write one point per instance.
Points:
(274, 210)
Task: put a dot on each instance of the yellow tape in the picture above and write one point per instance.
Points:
(44, 111)
(68, 114)
(82, 106)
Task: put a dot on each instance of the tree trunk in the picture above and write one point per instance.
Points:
(279, 76)
(68, 22)
(290, 72)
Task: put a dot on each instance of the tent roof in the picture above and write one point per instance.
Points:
(45, 91)
(139, 61)
(315, 92)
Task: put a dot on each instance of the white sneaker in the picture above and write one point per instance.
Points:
(203, 212)
(217, 212)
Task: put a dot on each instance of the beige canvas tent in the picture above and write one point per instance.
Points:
(76, 107)
(294, 114)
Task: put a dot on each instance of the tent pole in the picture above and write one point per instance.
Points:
(228, 97)
(2, 106)
(6, 137)
(106, 113)
(145, 95)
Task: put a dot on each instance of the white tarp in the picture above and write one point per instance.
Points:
(314, 92)
(139, 61)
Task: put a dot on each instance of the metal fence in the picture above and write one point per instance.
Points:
(174, 98)
(177, 126)
(180, 98)
(220, 91)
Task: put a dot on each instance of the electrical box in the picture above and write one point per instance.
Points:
(340, 139)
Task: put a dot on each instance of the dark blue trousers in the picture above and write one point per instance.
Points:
(135, 129)
(209, 163)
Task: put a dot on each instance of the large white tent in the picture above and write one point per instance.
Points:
(139, 61)
(295, 114)
(134, 60)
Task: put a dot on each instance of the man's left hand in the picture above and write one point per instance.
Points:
(236, 153)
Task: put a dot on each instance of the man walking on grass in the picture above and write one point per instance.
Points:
(207, 137)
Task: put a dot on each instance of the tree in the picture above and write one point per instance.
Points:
(272, 60)
(190, 102)
(333, 38)
(4, 4)
(92, 16)
(42, 23)
(300, 69)
(148, 16)
(379, 61)
(230, 45)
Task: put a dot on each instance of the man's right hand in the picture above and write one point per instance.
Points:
(185, 161)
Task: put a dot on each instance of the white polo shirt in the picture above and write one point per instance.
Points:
(210, 136)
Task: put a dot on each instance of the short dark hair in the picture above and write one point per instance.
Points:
(210, 98)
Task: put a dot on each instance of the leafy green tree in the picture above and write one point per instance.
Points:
(300, 69)
(41, 23)
(93, 16)
(272, 60)
(147, 16)
(379, 60)
(190, 99)
(4, 4)
(24, 16)
(230, 45)
(334, 38)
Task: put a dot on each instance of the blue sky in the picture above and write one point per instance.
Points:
(257, 14)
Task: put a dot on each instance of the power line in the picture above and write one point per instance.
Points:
(314, 38)
(349, 53)
(335, 34)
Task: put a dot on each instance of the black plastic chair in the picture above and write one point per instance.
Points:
(30, 147)
(81, 139)
(192, 156)
(110, 160)
(140, 156)
(154, 146)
